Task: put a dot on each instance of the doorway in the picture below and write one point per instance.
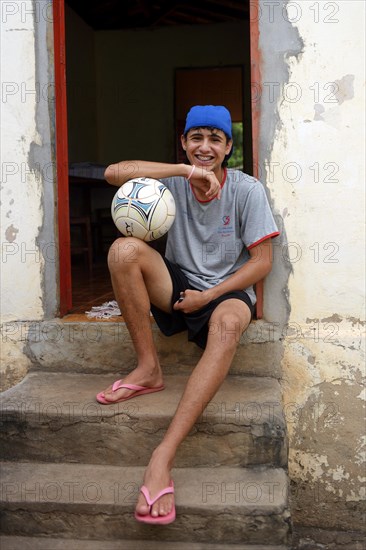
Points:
(123, 101)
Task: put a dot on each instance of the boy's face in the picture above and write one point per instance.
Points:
(206, 147)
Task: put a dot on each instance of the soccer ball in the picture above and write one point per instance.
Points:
(143, 208)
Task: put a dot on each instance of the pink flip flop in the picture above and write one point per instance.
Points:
(158, 520)
(138, 390)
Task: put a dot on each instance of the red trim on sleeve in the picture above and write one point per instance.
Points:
(213, 198)
(264, 239)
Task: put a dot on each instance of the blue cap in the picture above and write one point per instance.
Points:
(212, 116)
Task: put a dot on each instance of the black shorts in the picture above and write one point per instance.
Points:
(197, 322)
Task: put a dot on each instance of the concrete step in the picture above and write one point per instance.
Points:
(38, 543)
(104, 347)
(214, 505)
(55, 417)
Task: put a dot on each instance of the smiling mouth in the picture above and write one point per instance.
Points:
(203, 158)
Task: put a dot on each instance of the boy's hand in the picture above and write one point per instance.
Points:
(206, 183)
(190, 301)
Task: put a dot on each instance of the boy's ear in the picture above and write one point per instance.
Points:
(183, 142)
(229, 146)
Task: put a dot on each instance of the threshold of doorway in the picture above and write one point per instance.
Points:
(83, 318)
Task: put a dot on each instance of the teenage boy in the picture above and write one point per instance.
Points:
(218, 247)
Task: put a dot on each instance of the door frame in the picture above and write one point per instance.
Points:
(62, 172)
(255, 81)
(65, 289)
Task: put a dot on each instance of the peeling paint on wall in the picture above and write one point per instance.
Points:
(329, 453)
(11, 233)
(344, 90)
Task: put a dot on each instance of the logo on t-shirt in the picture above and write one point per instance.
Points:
(226, 228)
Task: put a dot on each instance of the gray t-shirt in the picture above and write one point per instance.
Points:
(210, 240)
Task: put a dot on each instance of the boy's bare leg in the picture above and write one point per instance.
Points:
(227, 323)
(139, 275)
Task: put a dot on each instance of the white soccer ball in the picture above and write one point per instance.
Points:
(143, 208)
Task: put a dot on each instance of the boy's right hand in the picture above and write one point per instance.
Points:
(205, 184)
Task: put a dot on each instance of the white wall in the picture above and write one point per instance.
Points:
(21, 209)
(28, 243)
(315, 174)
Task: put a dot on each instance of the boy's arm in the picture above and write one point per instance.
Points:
(117, 174)
(255, 269)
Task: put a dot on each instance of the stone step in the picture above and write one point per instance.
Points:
(214, 505)
(105, 347)
(38, 543)
(55, 417)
